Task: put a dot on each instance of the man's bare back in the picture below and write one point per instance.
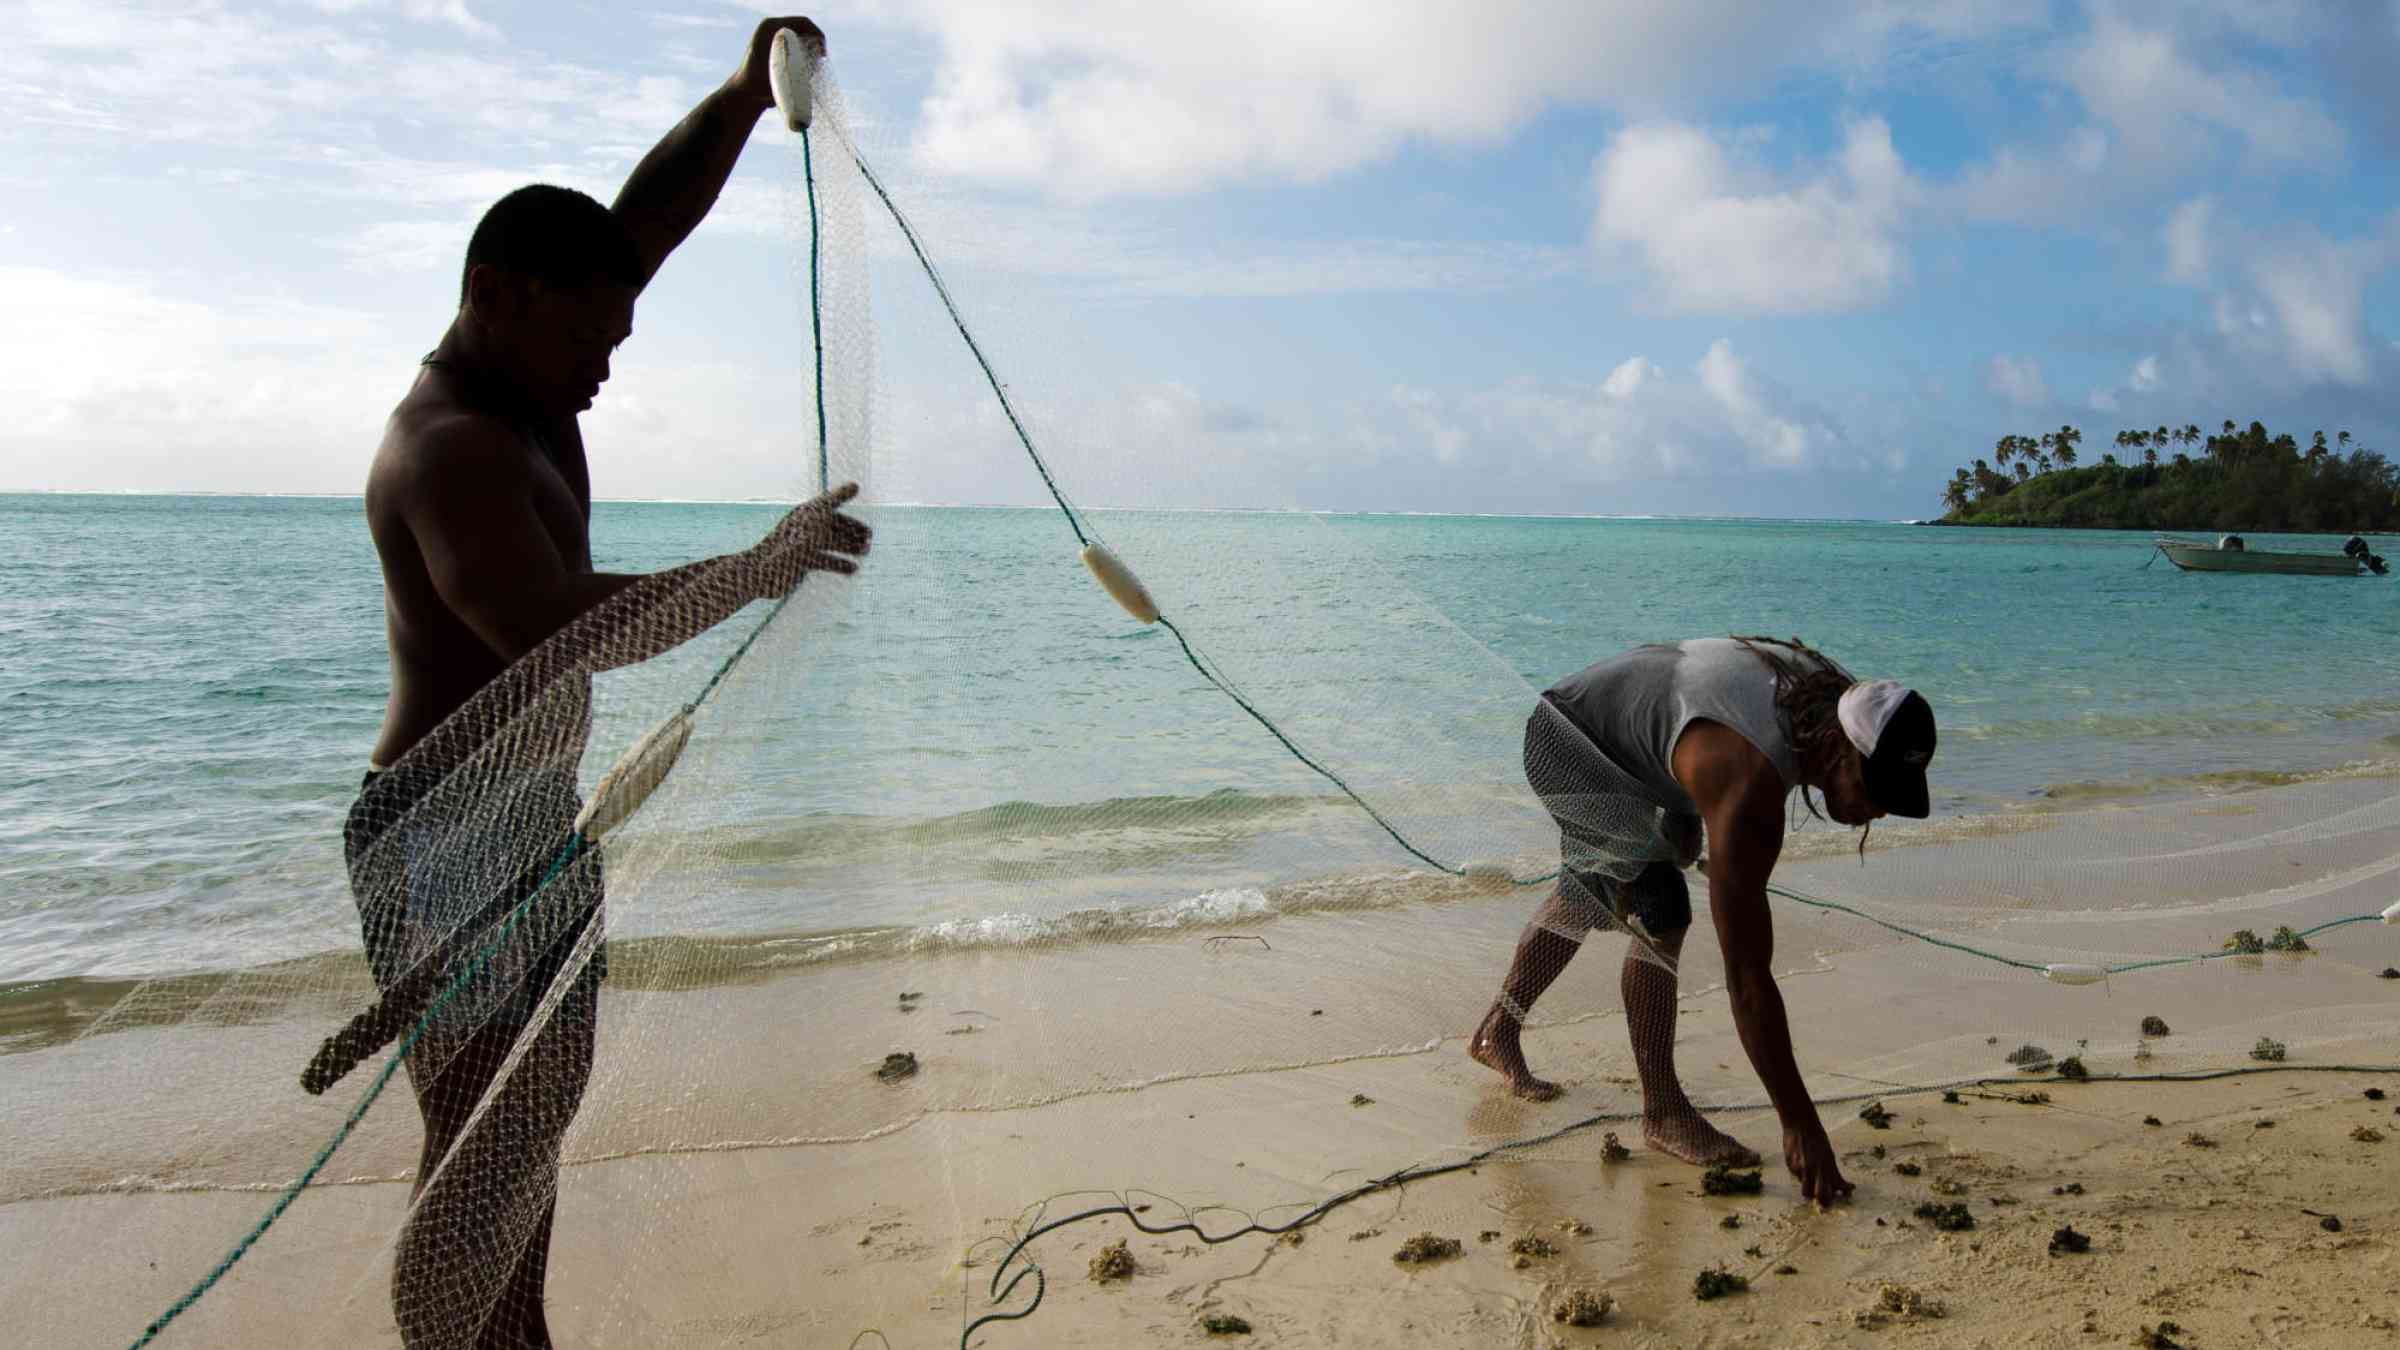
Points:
(438, 658)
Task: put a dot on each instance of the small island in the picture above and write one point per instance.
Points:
(2180, 479)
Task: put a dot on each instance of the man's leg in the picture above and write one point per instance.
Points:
(474, 1253)
(1542, 953)
(556, 1071)
(1670, 1123)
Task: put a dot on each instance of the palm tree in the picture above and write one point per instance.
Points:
(2150, 456)
(2064, 440)
(2024, 471)
(2342, 439)
(2002, 449)
(2190, 435)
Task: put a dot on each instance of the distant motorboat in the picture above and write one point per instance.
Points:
(2231, 554)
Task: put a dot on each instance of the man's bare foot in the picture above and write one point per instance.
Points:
(1495, 1047)
(1686, 1134)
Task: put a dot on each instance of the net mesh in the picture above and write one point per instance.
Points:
(1079, 969)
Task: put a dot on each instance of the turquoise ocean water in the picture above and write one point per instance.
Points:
(189, 687)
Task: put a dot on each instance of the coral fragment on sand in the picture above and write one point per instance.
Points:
(2155, 1026)
(1730, 1221)
(1582, 1308)
(1874, 1114)
(1577, 1227)
(1426, 1247)
(1530, 1245)
(1908, 1169)
(896, 1066)
(1224, 1324)
(2160, 1337)
(2367, 1134)
(1721, 1179)
(1950, 1218)
(1717, 1282)
(2198, 1140)
(1361, 1099)
(2268, 1049)
(1113, 1262)
(2066, 1241)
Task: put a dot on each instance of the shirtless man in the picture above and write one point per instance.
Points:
(1708, 736)
(480, 505)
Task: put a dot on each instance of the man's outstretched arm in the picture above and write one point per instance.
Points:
(674, 186)
(1742, 798)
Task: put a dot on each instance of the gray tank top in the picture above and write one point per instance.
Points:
(1635, 707)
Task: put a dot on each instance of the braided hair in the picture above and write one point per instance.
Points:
(1808, 693)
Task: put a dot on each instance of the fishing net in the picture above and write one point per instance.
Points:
(757, 971)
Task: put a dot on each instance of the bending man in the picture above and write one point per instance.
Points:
(480, 506)
(1640, 757)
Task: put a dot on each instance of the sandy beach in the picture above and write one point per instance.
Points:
(739, 1177)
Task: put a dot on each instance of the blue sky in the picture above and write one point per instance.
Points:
(1684, 257)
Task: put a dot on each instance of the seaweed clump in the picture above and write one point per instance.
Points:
(2155, 1026)
(1582, 1308)
(1531, 1245)
(2244, 943)
(896, 1066)
(2160, 1337)
(1113, 1262)
(1612, 1151)
(1897, 1301)
(1874, 1114)
(2029, 1058)
(2283, 939)
(2268, 1049)
(1224, 1324)
(1426, 1247)
(2367, 1134)
(1718, 1282)
(2067, 1241)
(1950, 1218)
(1907, 1169)
(1721, 1179)
(2072, 1067)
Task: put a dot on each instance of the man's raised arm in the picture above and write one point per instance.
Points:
(674, 186)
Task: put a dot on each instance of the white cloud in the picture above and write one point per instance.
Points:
(1641, 422)
(1718, 234)
(2165, 109)
(2144, 377)
(2187, 240)
(1093, 101)
(2315, 291)
(113, 383)
(2017, 379)
(1629, 377)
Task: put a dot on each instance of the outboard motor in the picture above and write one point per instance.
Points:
(2231, 543)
